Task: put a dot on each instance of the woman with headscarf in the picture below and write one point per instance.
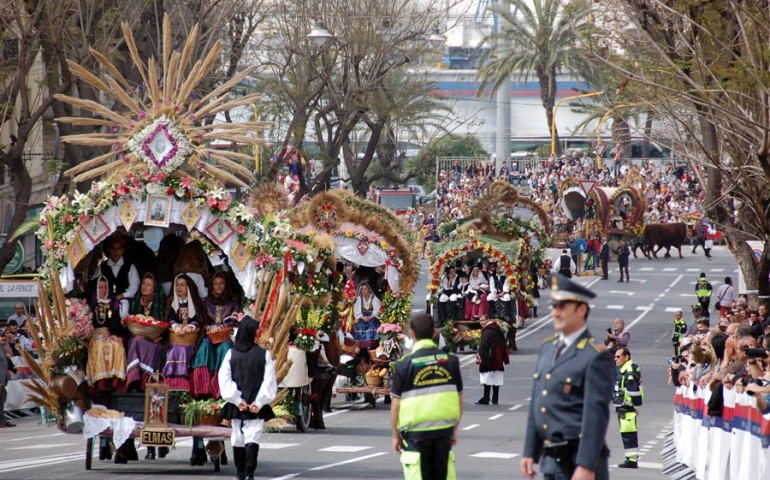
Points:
(221, 309)
(247, 382)
(478, 285)
(366, 309)
(106, 367)
(183, 314)
(144, 356)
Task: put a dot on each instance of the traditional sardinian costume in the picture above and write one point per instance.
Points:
(106, 367)
(182, 312)
(144, 356)
(365, 331)
(220, 312)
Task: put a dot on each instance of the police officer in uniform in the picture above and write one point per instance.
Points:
(426, 406)
(627, 398)
(573, 385)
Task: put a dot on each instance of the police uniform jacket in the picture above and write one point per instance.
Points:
(570, 400)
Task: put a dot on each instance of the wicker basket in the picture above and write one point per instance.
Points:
(373, 380)
(210, 420)
(220, 336)
(150, 332)
(175, 338)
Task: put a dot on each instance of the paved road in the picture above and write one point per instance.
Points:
(356, 443)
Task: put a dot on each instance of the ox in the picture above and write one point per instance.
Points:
(662, 235)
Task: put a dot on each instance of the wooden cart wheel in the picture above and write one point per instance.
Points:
(302, 408)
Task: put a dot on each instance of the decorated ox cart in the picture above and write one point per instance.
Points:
(163, 204)
(488, 268)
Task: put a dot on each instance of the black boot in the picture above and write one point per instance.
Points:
(252, 453)
(121, 455)
(239, 458)
(104, 448)
(162, 452)
(495, 394)
(485, 399)
(150, 455)
(198, 452)
(131, 453)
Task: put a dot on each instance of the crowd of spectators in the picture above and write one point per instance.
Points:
(733, 354)
(672, 194)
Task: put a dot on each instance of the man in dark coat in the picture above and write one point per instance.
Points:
(604, 258)
(623, 253)
(574, 380)
(247, 382)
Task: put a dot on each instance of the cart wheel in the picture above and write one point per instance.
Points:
(302, 408)
(89, 452)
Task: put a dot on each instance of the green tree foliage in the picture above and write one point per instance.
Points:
(450, 145)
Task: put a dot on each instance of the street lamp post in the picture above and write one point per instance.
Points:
(553, 116)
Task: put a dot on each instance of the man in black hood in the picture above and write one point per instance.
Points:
(248, 385)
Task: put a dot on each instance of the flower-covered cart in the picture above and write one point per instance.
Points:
(486, 268)
(372, 238)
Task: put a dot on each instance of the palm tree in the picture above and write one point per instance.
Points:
(540, 37)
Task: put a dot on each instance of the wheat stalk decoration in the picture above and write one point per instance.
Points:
(164, 123)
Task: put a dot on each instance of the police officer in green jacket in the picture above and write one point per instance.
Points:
(426, 406)
(703, 291)
(627, 399)
(573, 381)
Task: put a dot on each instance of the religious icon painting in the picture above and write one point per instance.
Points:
(76, 251)
(219, 230)
(158, 211)
(127, 215)
(156, 405)
(240, 255)
(190, 216)
(96, 229)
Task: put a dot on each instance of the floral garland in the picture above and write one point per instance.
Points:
(312, 317)
(396, 308)
(80, 315)
(62, 220)
(284, 239)
(510, 269)
(349, 230)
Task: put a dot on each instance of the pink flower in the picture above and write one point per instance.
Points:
(123, 189)
(212, 202)
(222, 206)
(240, 229)
(187, 182)
(48, 244)
(82, 219)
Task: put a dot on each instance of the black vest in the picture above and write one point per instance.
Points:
(119, 284)
(565, 263)
(248, 372)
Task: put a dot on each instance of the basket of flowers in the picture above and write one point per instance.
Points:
(202, 412)
(145, 326)
(219, 335)
(182, 338)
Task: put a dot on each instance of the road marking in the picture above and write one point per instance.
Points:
(42, 446)
(344, 448)
(276, 446)
(673, 309)
(693, 270)
(654, 466)
(686, 294)
(495, 417)
(622, 292)
(646, 269)
(675, 281)
(504, 456)
(642, 309)
(345, 462)
(471, 427)
(287, 477)
(614, 307)
(416, 310)
(717, 270)
(14, 465)
(515, 407)
(637, 319)
(670, 269)
(640, 280)
(14, 440)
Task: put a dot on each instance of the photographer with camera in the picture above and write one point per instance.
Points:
(617, 335)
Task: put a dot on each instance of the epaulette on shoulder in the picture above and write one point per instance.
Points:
(590, 341)
(551, 338)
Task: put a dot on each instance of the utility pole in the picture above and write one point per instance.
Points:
(502, 101)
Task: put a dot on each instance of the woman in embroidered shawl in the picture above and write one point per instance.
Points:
(106, 368)
(221, 309)
(183, 314)
(144, 356)
(366, 309)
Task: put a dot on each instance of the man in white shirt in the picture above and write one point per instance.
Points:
(122, 275)
(18, 315)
